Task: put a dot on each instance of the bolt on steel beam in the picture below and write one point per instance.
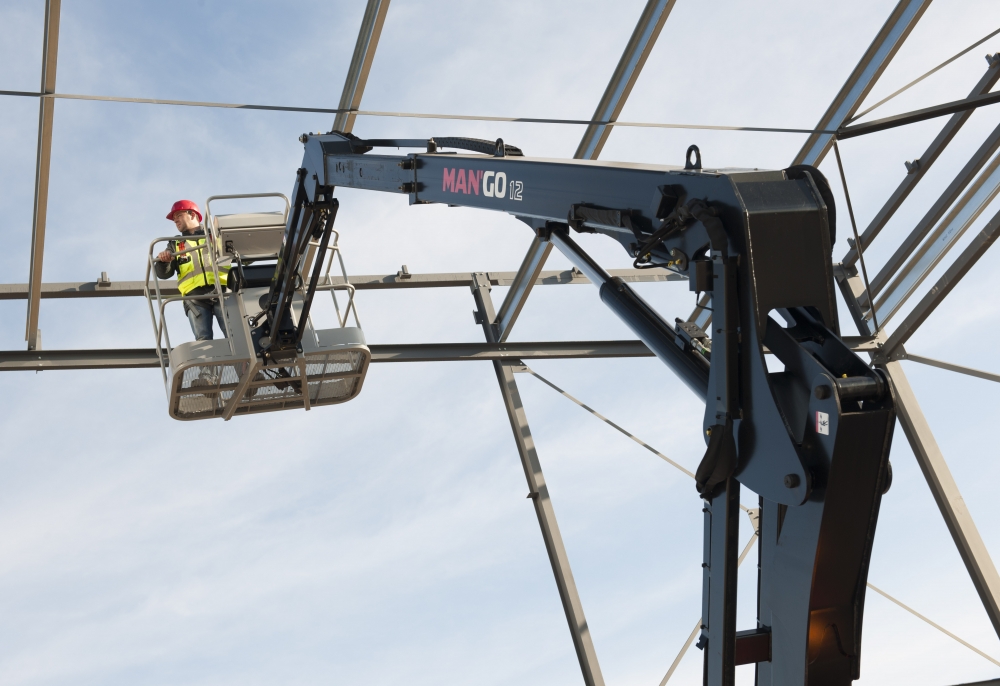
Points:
(890, 38)
(46, 111)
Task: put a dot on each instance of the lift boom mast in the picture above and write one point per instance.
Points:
(812, 441)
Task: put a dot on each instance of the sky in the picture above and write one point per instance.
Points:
(388, 539)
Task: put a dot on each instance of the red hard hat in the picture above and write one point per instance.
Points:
(184, 205)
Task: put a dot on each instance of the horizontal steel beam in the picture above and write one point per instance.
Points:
(371, 282)
(918, 115)
(137, 358)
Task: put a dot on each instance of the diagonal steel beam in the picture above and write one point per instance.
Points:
(361, 63)
(888, 41)
(923, 163)
(538, 491)
(949, 500)
(950, 195)
(46, 110)
(637, 50)
(925, 258)
(959, 268)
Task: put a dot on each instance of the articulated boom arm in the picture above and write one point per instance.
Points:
(812, 440)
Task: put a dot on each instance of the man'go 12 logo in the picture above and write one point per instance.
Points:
(470, 181)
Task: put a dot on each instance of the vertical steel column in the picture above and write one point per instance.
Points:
(361, 63)
(46, 111)
(956, 515)
(637, 50)
(539, 494)
(720, 570)
(888, 41)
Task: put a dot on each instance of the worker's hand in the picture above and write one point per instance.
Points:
(165, 256)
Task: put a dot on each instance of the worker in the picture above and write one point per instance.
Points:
(195, 275)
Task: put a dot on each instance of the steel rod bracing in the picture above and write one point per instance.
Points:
(923, 76)
(854, 229)
(910, 357)
(414, 115)
(862, 79)
(933, 624)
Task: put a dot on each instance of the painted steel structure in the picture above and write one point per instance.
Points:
(887, 349)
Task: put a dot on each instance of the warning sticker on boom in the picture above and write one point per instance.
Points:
(823, 423)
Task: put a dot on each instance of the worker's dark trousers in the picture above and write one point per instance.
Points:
(200, 313)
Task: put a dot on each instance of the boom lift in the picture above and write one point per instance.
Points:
(812, 440)
(272, 358)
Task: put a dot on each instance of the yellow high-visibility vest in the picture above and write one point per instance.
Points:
(194, 268)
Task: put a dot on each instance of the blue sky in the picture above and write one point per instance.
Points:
(388, 539)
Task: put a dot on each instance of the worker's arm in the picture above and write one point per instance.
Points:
(165, 263)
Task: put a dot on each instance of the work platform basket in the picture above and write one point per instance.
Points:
(225, 377)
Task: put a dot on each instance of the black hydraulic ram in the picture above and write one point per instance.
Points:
(812, 440)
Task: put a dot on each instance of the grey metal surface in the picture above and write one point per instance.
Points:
(637, 50)
(46, 111)
(119, 289)
(959, 268)
(361, 63)
(926, 160)
(890, 38)
(538, 492)
(949, 500)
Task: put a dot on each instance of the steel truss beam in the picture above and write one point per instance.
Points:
(950, 195)
(888, 41)
(959, 268)
(364, 282)
(539, 493)
(46, 111)
(137, 358)
(923, 164)
(361, 63)
(633, 59)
